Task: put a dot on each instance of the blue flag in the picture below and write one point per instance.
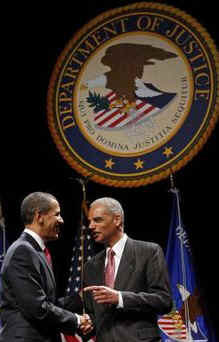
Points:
(186, 321)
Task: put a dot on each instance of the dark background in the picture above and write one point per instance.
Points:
(34, 38)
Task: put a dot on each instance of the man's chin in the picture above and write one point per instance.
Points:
(53, 238)
(98, 240)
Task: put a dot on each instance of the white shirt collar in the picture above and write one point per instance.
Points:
(36, 237)
(119, 246)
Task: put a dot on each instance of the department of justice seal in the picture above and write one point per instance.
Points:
(134, 95)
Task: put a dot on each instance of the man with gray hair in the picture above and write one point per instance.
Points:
(126, 285)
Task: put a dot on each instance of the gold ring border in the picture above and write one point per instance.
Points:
(163, 174)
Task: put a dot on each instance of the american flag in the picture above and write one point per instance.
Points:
(117, 117)
(75, 281)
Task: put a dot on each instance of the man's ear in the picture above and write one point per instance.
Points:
(38, 217)
(118, 220)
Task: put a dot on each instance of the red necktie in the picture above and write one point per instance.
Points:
(110, 269)
(48, 256)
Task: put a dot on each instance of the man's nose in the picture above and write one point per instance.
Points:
(61, 221)
(91, 225)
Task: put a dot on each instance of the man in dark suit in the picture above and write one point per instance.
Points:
(138, 287)
(30, 310)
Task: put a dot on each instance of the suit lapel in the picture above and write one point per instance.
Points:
(126, 266)
(43, 258)
(35, 245)
(99, 264)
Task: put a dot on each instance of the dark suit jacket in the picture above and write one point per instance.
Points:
(30, 310)
(143, 281)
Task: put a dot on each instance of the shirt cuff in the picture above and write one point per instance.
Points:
(78, 320)
(120, 304)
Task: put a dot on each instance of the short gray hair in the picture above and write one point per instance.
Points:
(112, 205)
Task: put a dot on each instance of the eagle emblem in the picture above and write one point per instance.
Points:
(130, 100)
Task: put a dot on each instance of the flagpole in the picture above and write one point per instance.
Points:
(174, 190)
(83, 182)
(172, 185)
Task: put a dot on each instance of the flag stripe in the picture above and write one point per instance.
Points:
(109, 116)
(150, 109)
(119, 120)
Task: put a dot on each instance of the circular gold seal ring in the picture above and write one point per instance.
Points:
(133, 97)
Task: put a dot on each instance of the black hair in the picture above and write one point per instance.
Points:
(41, 201)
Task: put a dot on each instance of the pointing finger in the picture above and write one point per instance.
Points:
(92, 288)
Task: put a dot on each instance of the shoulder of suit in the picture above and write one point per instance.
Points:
(144, 244)
(20, 244)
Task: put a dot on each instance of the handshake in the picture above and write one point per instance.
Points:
(102, 295)
(85, 325)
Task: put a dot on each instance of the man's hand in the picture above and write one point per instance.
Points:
(85, 324)
(103, 294)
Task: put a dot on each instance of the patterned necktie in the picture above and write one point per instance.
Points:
(110, 269)
(48, 256)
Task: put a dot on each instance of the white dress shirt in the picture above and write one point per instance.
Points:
(118, 250)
